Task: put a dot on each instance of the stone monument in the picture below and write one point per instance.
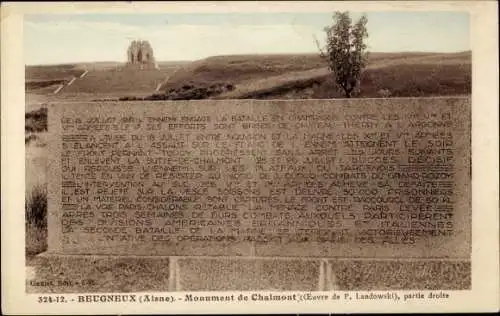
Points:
(257, 195)
(140, 54)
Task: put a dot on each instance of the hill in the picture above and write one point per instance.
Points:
(46, 78)
(119, 80)
(93, 80)
(307, 76)
(238, 68)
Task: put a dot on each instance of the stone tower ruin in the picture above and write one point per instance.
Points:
(140, 54)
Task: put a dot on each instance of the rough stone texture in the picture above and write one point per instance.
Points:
(298, 244)
(351, 275)
(142, 274)
(240, 274)
(97, 274)
(141, 53)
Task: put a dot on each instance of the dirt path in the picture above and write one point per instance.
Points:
(164, 82)
(71, 81)
(159, 86)
(60, 87)
(83, 75)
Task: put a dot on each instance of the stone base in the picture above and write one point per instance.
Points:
(142, 66)
(52, 273)
(245, 274)
(378, 275)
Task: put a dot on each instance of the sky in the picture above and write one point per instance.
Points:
(63, 38)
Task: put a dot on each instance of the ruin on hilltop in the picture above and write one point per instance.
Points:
(140, 54)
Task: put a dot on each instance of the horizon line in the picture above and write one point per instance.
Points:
(244, 54)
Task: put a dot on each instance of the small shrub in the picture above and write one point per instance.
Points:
(156, 97)
(189, 91)
(36, 121)
(36, 207)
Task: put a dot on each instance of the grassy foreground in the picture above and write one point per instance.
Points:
(36, 220)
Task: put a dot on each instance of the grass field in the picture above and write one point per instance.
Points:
(117, 80)
(52, 72)
(403, 74)
(102, 80)
(44, 80)
(403, 80)
(239, 68)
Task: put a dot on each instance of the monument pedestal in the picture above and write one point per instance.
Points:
(137, 67)
(55, 273)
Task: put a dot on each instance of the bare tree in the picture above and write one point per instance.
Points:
(345, 50)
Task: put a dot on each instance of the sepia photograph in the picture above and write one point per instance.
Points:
(249, 156)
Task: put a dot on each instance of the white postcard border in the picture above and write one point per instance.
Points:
(484, 295)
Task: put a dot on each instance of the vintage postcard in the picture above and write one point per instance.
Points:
(236, 157)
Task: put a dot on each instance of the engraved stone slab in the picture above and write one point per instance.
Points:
(315, 178)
